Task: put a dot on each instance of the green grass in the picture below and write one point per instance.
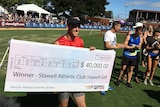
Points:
(139, 96)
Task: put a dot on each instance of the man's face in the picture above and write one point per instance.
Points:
(158, 36)
(117, 27)
(74, 29)
(158, 33)
(139, 30)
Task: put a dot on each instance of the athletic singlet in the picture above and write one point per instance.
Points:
(131, 53)
(77, 42)
(151, 42)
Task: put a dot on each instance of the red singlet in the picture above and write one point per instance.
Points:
(77, 42)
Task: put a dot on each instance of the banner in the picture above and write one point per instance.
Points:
(40, 67)
(11, 24)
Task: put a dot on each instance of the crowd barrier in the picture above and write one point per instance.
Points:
(47, 25)
(44, 25)
(11, 24)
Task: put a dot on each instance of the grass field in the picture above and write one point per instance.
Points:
(139, 96)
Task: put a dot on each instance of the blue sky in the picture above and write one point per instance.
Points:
(121, 8)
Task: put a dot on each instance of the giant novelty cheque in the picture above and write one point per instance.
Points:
(40, 67)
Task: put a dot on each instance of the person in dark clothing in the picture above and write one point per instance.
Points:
(132, 44)
(153, 48)
(147, 33)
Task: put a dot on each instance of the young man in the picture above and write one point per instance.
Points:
(71, 39)
(110, 40)
(132, 44)
(136, 68)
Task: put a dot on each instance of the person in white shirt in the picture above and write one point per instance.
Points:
(110, 40)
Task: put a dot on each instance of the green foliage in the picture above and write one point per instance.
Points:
(80, 7)
(75, 7)
(109, 14)
(9, 3)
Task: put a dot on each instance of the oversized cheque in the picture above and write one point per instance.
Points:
(39, 67)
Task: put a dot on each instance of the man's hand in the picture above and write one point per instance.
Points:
(119, 45)
(157, 46)
(137, 47)
(91, 48)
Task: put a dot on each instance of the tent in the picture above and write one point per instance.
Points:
(2, 10)
(32, 8)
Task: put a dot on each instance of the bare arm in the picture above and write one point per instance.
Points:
(117, 46)
(153, 47)
(126, 43)
(140, 44)
(56, 42)
(144, 37)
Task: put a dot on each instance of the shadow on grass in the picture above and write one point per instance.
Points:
(153, 94)
(41, 100)
(144, 105)
(116, 71)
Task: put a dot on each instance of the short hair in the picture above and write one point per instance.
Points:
(115, 23)
(156, 30)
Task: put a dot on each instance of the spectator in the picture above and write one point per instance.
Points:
(153, 48)
(136, 67)
(132, 44)
(110, 40)
(147, 33)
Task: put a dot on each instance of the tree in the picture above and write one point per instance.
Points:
(96, 7)
(109, 14)
(74, 7)
(79, 7)
(9, 3)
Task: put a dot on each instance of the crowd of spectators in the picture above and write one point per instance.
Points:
(35, 18)
(32, 18)
(29, 17)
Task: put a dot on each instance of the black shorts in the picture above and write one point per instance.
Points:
(129, 61)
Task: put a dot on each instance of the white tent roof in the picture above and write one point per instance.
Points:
(32, 7)
(1, 9)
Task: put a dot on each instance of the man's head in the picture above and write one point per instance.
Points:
(156, 33)
(138, 28)
(116, 26)
(73, 24)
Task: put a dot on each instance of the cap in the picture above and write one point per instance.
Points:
(138, 24)
(73, 21)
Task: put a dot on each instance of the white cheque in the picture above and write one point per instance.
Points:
(40, 67)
